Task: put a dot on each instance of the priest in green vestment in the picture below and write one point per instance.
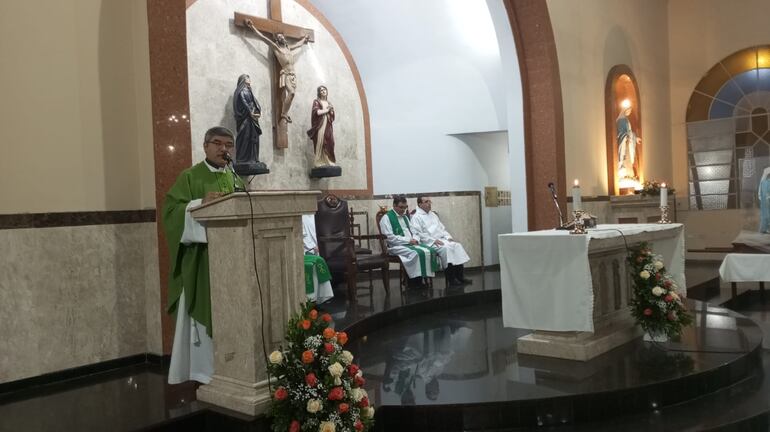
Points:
(419, 261)
(318, 278)
(192, 355)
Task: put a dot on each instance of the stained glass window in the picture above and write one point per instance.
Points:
(728, 131)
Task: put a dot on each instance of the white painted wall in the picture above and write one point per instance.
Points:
(591, 37)
(434, 79)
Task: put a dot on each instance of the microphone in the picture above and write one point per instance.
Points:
(226, 156)
(552, 188)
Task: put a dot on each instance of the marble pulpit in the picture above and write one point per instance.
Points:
(574, 290)
(257, 283)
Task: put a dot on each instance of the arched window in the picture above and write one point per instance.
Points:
(728, 139)
(623, 120)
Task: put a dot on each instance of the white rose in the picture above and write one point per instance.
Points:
(346, 357)
(367, 412)
(658, 291)
(313, 406)
(337, 381)
(336, 369)
(658, 265)
(357, 394)
(276, 357)
(644, 274)
(360, 373)
(327, 426)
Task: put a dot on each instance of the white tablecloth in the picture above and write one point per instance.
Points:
(737, 267)
(546, 280)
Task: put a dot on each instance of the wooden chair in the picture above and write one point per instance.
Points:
(337, 246)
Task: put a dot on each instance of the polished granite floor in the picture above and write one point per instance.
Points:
(465, 355)
(134, 398)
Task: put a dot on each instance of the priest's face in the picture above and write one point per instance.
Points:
(426, 205)
(217, 147)
(400, 208)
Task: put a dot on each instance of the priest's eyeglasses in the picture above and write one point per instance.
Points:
(226, 144)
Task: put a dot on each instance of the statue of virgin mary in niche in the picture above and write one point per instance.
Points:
(627, 141)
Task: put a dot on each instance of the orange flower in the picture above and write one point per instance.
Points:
(305, 324)
(329, 333)
(307, 357)
(326, 318)
(313, 314)
(342, 338)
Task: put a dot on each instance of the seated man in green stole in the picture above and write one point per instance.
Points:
(419, 261)
(318, 285)
(192, 356)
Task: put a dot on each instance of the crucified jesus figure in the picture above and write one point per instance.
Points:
(287, 79)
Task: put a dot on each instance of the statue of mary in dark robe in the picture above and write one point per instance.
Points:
(247, 112)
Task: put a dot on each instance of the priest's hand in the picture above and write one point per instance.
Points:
(438, 243)
(211, 196)
(413, 242)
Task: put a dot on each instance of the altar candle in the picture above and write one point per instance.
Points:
(577, 203)
(663, 195)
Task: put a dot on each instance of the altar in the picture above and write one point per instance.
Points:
(574, 290)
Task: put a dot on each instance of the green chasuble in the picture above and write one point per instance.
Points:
(397, 230)
(190, 263)
(324, 275)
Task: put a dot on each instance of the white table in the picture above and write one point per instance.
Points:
(558, 282)
(745, 267)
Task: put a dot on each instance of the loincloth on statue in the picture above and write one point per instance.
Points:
(287, 79)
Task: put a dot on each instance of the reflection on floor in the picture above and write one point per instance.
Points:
(136, 398)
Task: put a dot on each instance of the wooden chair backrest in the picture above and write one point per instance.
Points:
(377, 218)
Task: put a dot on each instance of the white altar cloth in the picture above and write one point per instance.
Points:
(739, 267)
(546, 279)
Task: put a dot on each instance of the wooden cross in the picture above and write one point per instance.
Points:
(272, 27)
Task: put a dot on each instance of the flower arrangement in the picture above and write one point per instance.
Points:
(656, 306)
(652, 188)
(317, 385)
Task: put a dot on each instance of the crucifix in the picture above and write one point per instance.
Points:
(284, 82)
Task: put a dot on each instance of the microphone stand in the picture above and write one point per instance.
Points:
(229, 161)
(556, 203)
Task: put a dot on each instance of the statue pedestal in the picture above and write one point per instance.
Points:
(326, 171)
(238, 226)
(250, 168)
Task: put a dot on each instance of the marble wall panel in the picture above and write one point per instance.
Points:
(73, 296)
(218, 52)
(460, 214)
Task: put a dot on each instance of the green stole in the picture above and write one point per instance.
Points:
(190, 263)
(397, 230)
(324, 275)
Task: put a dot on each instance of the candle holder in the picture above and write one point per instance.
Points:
(664, 215)
(578, 227)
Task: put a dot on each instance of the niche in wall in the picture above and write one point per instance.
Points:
(623, 120)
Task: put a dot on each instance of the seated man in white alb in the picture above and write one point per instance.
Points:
(431, 232)
(419, 261)
(318, 285)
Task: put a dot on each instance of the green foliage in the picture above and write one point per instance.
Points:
(656, 306)
(652, 188)
(316, 386)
